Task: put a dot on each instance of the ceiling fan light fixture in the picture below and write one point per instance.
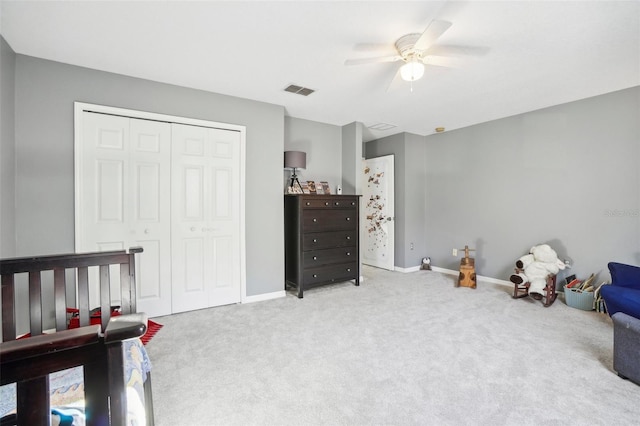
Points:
(412, 71)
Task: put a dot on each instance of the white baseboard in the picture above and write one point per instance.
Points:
(278, 294)
(406, 270)
(263, 297)
(478, 277)
(456, 273)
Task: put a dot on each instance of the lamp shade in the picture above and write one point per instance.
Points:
(295, 160)
(412, 71)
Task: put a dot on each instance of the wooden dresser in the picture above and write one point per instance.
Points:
(321, 240)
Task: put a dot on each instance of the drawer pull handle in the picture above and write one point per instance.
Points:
(348, 237)
(337, 203)
(353, 204)
(308, 203)
(348, 269)
(326, 203)
(315, 220)
(348, 254)
(348, 218)
(315, 257)
(315, 275)
(315, 240)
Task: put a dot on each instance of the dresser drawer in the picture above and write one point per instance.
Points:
(315, 220)
(339, 272)
(329, 203)
(312, 259)
(322, 240)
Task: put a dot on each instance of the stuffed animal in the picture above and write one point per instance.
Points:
(541, 261)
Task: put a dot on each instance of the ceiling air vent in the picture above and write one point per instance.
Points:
(299, 90)
(382, 126)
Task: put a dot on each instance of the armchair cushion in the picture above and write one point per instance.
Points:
(624, 275)
(623, 295)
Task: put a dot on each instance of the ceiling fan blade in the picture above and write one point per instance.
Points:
(441, 61)
(434, 30)
(372, 60)
(372, 47)
(451, 50)
(395, 81)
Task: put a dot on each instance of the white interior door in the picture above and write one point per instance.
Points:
(205, 217)
(122, 183)
(378, 212)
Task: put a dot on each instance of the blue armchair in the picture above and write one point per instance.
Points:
(623, 295)
(622, 299)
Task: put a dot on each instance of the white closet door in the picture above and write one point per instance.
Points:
(151, 213)
(124, 200)
(205, 217)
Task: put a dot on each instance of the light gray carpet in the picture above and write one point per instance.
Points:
(401, 349)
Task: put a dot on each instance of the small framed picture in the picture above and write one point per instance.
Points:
(305, 187)
(326, 189)
(312, 187)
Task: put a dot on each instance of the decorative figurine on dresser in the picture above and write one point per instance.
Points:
(321, 240)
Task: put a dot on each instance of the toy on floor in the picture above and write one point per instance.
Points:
(467, 277)
(426, 264)
(536, 272)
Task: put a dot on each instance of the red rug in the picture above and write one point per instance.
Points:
(152, 328)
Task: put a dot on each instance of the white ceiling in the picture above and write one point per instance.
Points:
(537, 54)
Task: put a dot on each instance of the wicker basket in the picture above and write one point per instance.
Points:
(578, 299)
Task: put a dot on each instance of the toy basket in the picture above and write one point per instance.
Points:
(578, 299)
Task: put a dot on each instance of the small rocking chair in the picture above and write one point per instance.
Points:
(522, 290)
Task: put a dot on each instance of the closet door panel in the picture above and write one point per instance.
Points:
(124, 200)
(191, 253)
(224, 214)
(150, 186)
(205, 190)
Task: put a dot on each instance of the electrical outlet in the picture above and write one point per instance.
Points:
(454, 252)
(411, 246)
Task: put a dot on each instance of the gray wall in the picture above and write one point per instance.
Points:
(566, 175)
(7, 150)
(45, 92)
(323, 145)
(415, 170)
(352, 158)
(409, 168)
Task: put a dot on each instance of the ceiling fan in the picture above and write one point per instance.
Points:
(415, 50)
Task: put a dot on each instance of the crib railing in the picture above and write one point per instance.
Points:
(98, 348)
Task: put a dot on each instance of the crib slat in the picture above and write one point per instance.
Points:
(105, 296)
(125, 289)
(8, 313)
(35, 304)
(59, 294)
(115, 359)
(83, 295)
(33, 401)
(132, 275)
(96, 385)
